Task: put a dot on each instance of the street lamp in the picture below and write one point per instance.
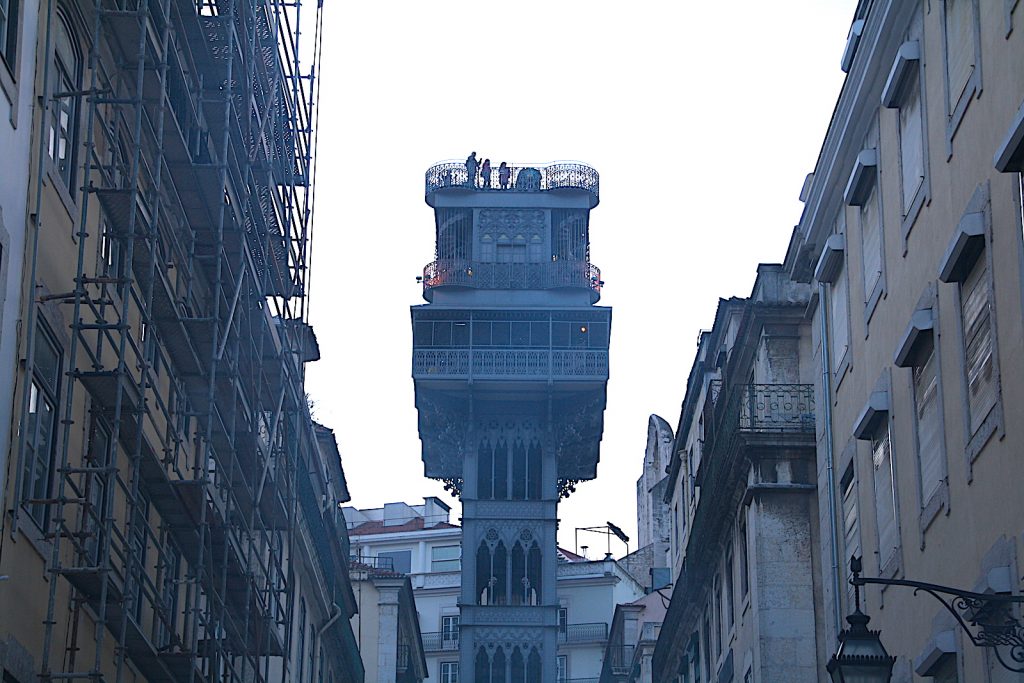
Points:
(988, 620)
(861, 657)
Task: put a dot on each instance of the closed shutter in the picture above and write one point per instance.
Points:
(840, 314)
(885, 499)
(871, 238)
(959, 47)
(976, 305)
(851, 524)
(911, 144)
(929, 442)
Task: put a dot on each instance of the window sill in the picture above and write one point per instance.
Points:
(61, 190)
(956, 117)
(938, 502)
(872, 303)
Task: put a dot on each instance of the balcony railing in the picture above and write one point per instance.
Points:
(583, 633)
(621, 659)
(512, 364)
(521, 177)
(777, 408)
(441, 641)
(552, 275)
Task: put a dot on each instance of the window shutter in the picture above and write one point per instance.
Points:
(885, 503)
(840, 313)
(911, 144)
(926, 398)
(977, 320)
(871, 238)
(959, 47)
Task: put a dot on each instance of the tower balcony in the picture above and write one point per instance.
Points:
(570, 177)
(538, 276)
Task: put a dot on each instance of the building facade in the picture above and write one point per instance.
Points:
(745, 595)
(510, 363)
(419, 539)
(170, 510)
(653, 511)
(19, 27)
(386, 623)
(911, 238)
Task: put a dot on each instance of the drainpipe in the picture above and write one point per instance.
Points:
(826, 392)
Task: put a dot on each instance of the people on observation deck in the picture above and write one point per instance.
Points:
(485, 174)
(504, 173)
(471, 165)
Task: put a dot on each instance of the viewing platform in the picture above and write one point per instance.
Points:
(544, 275)
(571, 176)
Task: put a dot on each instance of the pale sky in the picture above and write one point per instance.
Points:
(702, 117)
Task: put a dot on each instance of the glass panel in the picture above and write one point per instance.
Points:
(401, 560)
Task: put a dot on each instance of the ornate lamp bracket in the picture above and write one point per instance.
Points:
(987, 618)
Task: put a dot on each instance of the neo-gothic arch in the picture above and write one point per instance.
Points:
(506, 577)
(509, 468)
(507, 664)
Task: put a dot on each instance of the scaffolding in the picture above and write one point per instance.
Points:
(173, 518)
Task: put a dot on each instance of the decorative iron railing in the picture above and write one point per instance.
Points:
(509, 364)
(621, 659)
(583, 633)
(520, 178)
(777, 408)
(440, 641)
(357, 562)
(549, 275)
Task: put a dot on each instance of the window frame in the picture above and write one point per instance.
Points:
(934, 501)
(888, 565)
(36, 383)
(451, 675)
(64, 180)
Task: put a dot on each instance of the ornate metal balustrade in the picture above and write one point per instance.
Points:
(621, 659)
(441, 641)
(584, 633)
(521, 177)
(545, 275)
(777, 408)
(510, 364)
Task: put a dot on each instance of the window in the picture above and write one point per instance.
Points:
(851, 523)
(97, 455)
(9, 32)
(63, 125)
(450, 632)
(744, 562)
(871, 241)
(927, 410)
(960, 54)
(563, 622)
(886, 521)
(449, 672)
(563, 668)
(839, 314)
(445, 558)
(401, 560)
(301, 659)
(976, 312)
(729, 595)
(911, 144)
(40, 427)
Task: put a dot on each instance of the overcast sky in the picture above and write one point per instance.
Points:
(703, 118)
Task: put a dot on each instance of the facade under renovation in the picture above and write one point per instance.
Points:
(510, 363)
(170, 510)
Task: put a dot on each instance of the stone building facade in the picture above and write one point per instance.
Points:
(420, 540)
(510, 365)
(910, 248)
(653, 513)
(744, 595)
(170, 511)
(911, 237)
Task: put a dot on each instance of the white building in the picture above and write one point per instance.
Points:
(421, 541)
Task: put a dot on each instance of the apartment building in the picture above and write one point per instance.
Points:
(420, 540)
(911, 240)
(170, 510)
(741, 487)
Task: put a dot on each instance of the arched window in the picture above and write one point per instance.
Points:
(492, 571)
(520, 589)
(498, 666)
(533, 666)
(533, 472)
(64, 109)
(483, 666)
(485, 471)
(519, 470)
(501, 471)
(533, 573)
(518, 667)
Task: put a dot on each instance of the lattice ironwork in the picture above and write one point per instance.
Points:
(521, 178)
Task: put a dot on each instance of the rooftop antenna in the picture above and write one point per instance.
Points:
(608, 530)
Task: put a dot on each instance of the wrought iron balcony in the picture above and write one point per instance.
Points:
(621, 659)
(441, 641)
(544, 275)
(777, 408)
(521, 178)
(583, 633)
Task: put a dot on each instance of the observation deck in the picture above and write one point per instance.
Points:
(562, 177)
(545, 275)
